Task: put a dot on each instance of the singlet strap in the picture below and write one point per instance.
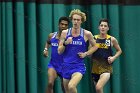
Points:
(69, 31)
(108, 36)
(54, 35)
(82, 32)
(96, 36)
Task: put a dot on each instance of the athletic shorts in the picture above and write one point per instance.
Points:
(57, 69)
(69, 69)
(95, 77)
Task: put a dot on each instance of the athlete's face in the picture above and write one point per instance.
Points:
(76, 20)
(103, 27)
(63, 25)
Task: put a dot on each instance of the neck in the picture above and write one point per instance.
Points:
(75, 32)
(103, 35)
(58, 35)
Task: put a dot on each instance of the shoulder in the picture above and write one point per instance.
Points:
(87, 33)
(113, 39)
(96, 36)
(50, 35)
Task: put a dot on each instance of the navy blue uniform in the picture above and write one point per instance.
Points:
(100, 57)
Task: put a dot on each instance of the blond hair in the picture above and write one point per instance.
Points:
(78, 12)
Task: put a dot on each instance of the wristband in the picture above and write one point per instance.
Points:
(45, 49)
(64, 44)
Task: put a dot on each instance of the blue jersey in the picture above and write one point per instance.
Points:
(56, 59)
(78, 45)
(72, 62)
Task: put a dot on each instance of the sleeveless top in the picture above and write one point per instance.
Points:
(71, 50)
(104, 50)
(100, 57)
(56, 59)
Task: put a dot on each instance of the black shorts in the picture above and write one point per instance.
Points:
(95, 77)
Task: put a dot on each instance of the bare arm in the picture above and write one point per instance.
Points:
(61, 46)
(47, 45)
(92, 43)
(118, 50)
(92, 48)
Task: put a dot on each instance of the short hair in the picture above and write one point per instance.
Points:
(104, 20)
(64, 18)
(78, 12)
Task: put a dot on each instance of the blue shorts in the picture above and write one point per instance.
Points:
(69, 69)
(57, 69)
